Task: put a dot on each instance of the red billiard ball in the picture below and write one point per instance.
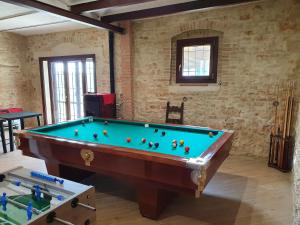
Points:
(128, 140)
(143, 140)
(187, 149)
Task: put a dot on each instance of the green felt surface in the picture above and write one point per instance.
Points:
(197, 139)
(17, 215)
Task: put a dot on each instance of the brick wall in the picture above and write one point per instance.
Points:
(80, 42)
(14, 82)
(260, 47)
(124, 78)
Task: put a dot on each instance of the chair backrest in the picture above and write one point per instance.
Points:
(174, 110)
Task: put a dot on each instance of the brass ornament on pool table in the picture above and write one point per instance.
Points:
(87, 155)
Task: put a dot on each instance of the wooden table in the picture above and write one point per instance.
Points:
(10, 117)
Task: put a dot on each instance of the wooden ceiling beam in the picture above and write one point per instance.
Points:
(65, 13)
(170, 9)
(102, 4)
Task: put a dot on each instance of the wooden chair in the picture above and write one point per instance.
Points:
(174, 110)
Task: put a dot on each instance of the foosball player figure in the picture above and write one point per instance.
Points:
(29, 211)
(37, 192)
(4, 201)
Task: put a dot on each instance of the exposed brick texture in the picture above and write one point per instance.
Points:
(124, 78)
(87, 41)
(259, 49)
(14, 82)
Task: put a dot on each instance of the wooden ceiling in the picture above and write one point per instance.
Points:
(102, 13)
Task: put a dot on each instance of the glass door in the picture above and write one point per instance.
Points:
(69, 79)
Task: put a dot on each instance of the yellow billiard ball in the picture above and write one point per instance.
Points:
(105, 132)
(210, 134)
(181, 142)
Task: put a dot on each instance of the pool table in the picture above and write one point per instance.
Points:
(160, 160)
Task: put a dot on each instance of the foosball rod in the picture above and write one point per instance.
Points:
(19, 183)
(51, 217)
(36, 211)
(63, 221)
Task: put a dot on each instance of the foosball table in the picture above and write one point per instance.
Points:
(32, 197)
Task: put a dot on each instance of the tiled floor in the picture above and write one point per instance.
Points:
(244, 192)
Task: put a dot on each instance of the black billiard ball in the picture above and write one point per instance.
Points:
(95, 135)
(163, 133)
(105, 122)
(156, 130)
(150, 144)
(156, 145)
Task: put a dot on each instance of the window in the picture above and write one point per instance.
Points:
(196, 60)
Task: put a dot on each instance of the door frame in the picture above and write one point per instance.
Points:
(63, 59)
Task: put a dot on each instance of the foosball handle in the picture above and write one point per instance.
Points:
(51, 217)
(75, 202)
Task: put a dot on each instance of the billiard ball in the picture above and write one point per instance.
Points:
(187, 149)
(174, 144)
(76, 132)
(210, 134)
(143, 140)
(181, 142)
(95, 135)
(105, 132)
(150, 144)
(174, 141)
(128, 140)
(156, 130)
(163, 133)
(105, 122)
(156, 145)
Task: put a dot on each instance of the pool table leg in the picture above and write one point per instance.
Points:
(152, 200)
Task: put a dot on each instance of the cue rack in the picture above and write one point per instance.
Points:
(281, 141)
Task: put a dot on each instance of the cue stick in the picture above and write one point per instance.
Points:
(286, 111)
(279, 163)
(291, 108)
(273, 143)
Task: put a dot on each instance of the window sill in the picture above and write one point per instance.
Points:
(200, 87)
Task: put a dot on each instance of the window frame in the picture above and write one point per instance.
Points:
(214, 43)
